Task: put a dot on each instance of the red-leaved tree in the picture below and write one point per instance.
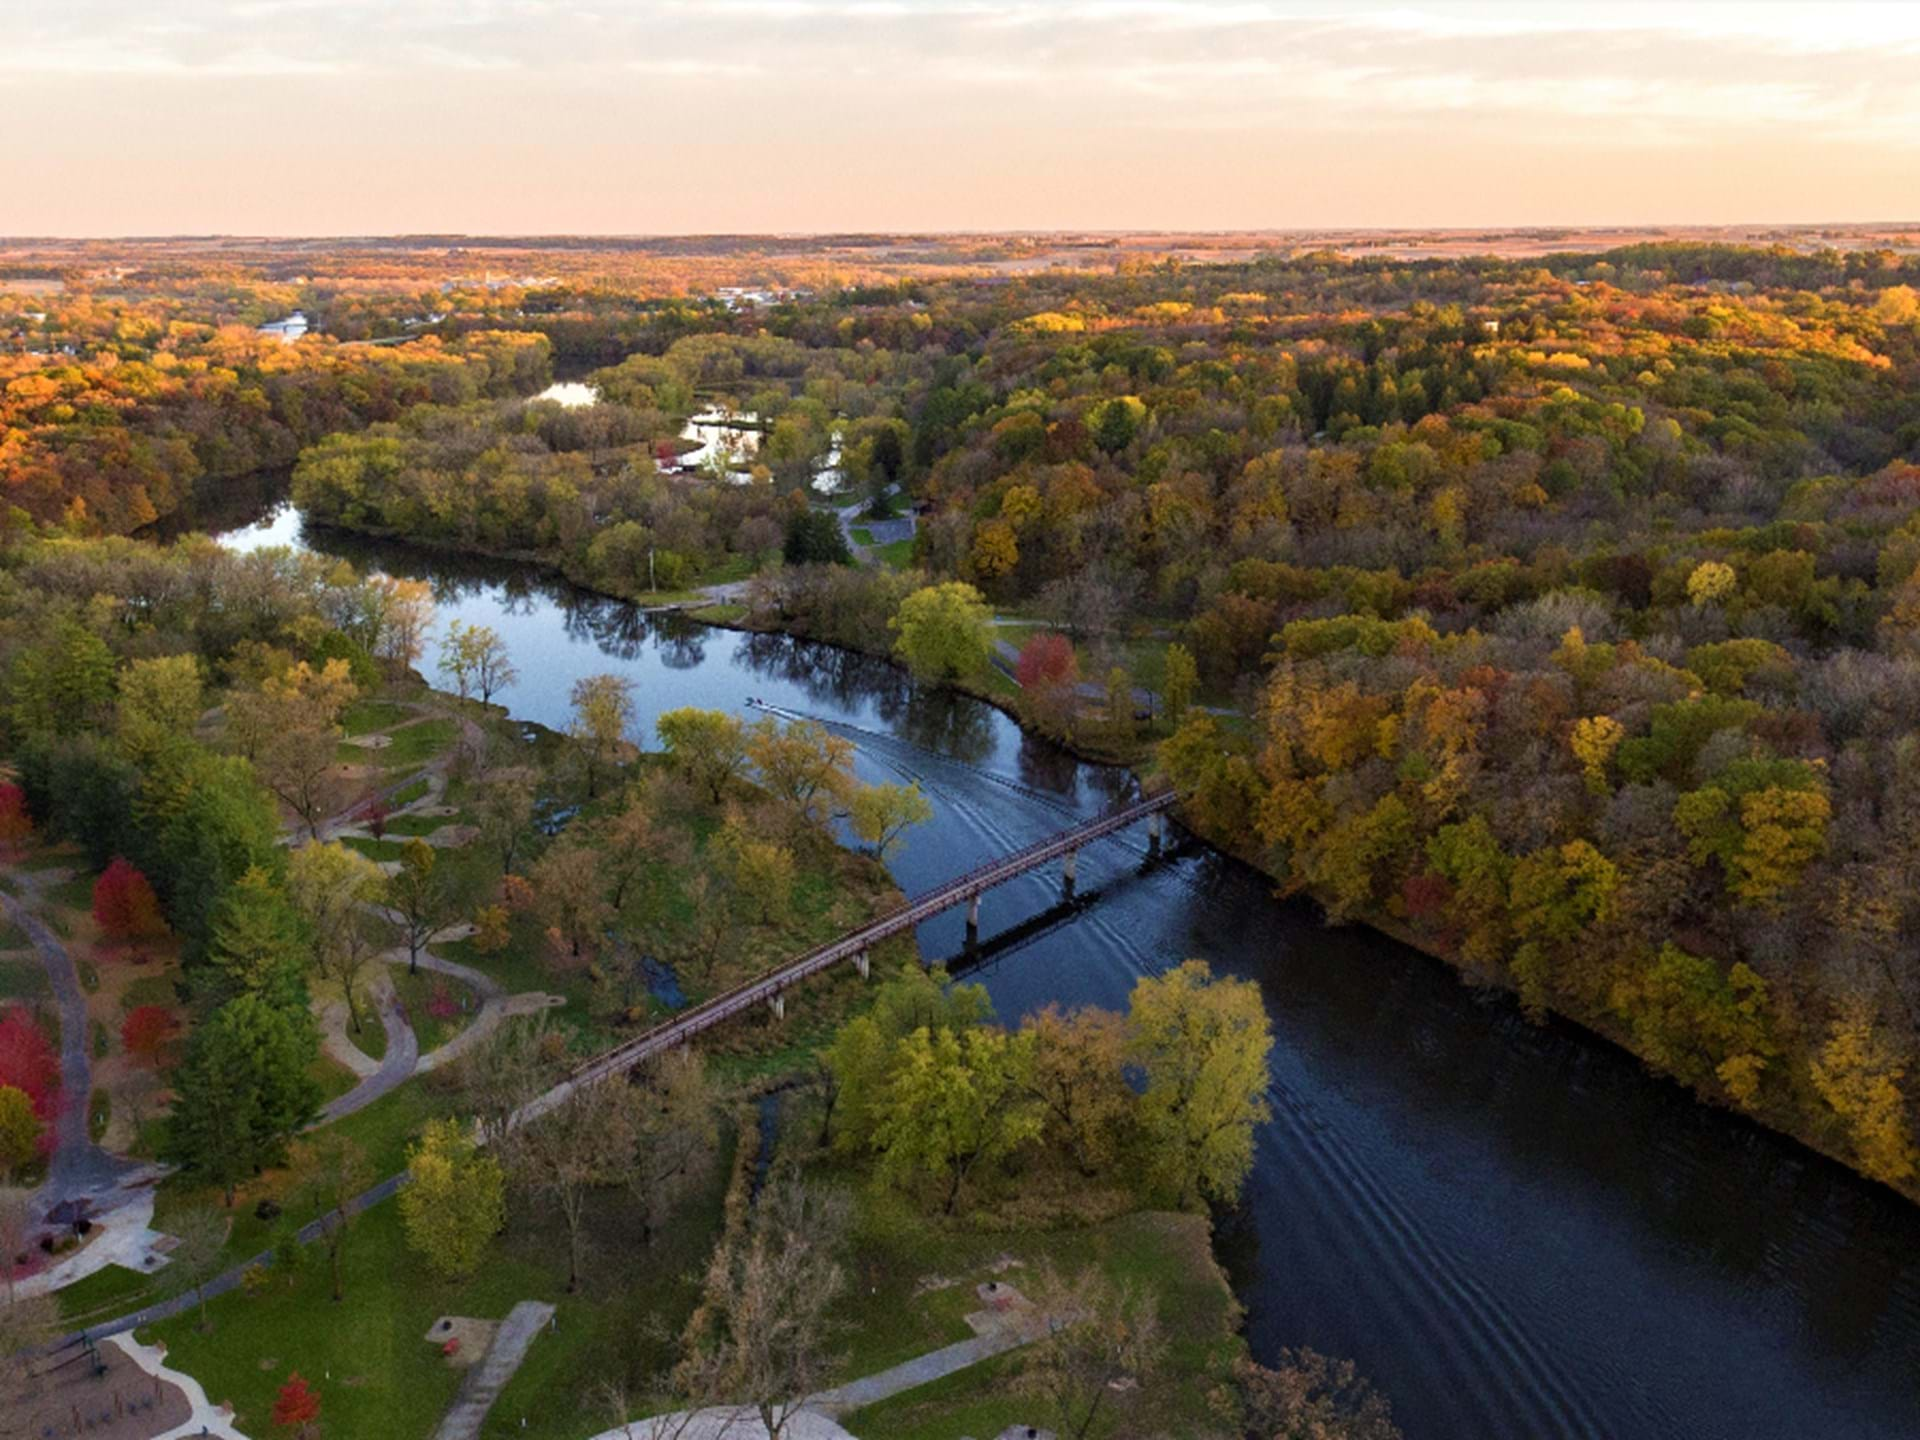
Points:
(124, 905)
(297, 1406)
(1046, 659)
(27, 1062)
(15, 824)
(146, 1033)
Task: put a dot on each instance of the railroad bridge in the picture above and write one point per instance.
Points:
(855, 945)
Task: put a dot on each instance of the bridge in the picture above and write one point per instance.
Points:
(769, 989)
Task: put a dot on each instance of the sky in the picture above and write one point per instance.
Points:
(336, 117)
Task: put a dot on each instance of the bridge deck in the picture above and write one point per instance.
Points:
(684, 1026)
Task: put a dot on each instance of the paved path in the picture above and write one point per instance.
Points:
(487, 1379)
(79, 1168)
(403, 1055)
(206, 1419)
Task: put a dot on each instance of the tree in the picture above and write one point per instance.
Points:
(28, 1063)
(572, 894)
(760, 872)
(866, 1050)
(882, 813)
(803, 763)
(417, 894)
(200, 1237)
(147, 1032)
(21, 1132)
(1203, 1044)
(709, 746)
(290, 728)
(1078, 1075)
(1182, 679)
(1048, 658)
(243, 1090)
(405, 616)
(16, 824)
(602, 715)
(944, 631)
(257, 948)
(160, 701)
(586, 1141)
(766, 1337)
(1306, 1396)
(297, 1406)
(333, 887)
(455, 1201)
(1858, 1073)
(1099, 1334)
(333, 1170)
(1120, 703)
(475, 658)
(124, 905)
(626, 841)
(814, 537)
(676, 1123)
(955, 1102)
(502, 808)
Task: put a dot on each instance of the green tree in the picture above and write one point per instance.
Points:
(709, 746)
(1120, 703)
(864, 1051)
(814, 537)
(944, 631)
(333, 888)
(1203, 1044)
(804, 763)
(956, 1101)
(881, 814)
(1182, 679)
(216, 828)
(258, 947)
(241, 1092)
(20, 1131)
(418, 895)
(63, 685)
(455, 1200)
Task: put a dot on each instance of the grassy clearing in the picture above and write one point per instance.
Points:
(417, 743)
(418, 824)
(364, 717)
(896, 554)
(74, 893)
(23, 979)
(148, 990)
(375, 849)
(423, 994)
(388, 1380)
(411, 793)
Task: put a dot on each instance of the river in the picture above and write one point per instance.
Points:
(1513, 1230)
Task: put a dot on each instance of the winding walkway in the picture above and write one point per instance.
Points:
(79, 1169)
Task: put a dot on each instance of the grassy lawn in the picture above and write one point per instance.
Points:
(861, 534)
(896, 554)
(364, 717)
(75, 892)
(375, 849)
(148, 990)
(420, 994)
(408, 794)
(418, 824)
(377, 1373)
(22, 979)
(419, 742)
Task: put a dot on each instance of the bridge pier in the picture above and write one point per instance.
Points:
(778, 1005)
(973, 920)
(1069, 870)
(864, 964)
(1156, 822)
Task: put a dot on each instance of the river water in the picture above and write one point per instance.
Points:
(1513, 1230)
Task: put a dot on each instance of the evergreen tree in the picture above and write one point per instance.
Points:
(258, 947)
(242, 1091)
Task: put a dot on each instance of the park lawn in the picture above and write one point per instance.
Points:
(149, 990)
(376, 1372)
(110, 1291)
(418, 824)
(1165, 1254)
(74, 893)
(375, 849)
(861, 535)
(21, 976)
(728, 612)
(417, 743)
(408, 794)
(895, 554)
(364, 717)
(417, 994)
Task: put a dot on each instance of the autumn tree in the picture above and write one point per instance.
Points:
(124, 905)
(954, 1104)
(766, 1331)
(881, 814)
(502, 809)
(676, 1118)
(1203, 1044)
(29, 1064)
(708, 746)
(418, 897)
(334, 888)
(1101, 1333)
(297, 1406)
(1857, 1072)
(803, 763)
(200, 1236)
(405, 617)
(572, 895)
(865, 1053)
(454, 1202)
(1182, 678)
(475, 659)
(585, 1142)
(16, 823)
(147, 1032)
(602, 716)
(290, 729)
(1306, 1396)
(1078, 1075)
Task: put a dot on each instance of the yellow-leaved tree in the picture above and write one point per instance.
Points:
(456, 1202)
(1858, 1073)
